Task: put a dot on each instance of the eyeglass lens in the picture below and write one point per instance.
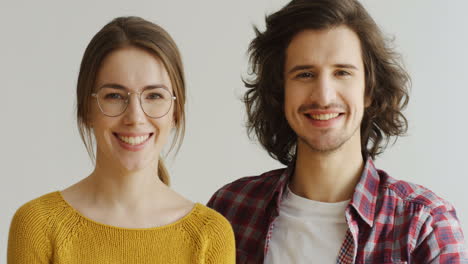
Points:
(155, 102)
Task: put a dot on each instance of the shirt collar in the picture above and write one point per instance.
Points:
(365, 194)
(280, 186)
(364, 197)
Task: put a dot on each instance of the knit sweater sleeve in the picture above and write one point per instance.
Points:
(27, 242)
(221, 247)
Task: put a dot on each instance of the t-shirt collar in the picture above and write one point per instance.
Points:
(364, 197)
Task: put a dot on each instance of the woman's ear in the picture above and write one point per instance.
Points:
(174, 120)
(89, 122)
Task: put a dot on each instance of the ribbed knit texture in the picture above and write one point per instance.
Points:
(49, 230)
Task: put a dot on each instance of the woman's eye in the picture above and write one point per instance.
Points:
(113, 96)
(154, 96)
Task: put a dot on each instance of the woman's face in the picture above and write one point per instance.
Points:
(131, 140)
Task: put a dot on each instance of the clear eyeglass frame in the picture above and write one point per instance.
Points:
(127, 102)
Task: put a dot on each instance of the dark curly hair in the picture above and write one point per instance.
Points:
(387, 83)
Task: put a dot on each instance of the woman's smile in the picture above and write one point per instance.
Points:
(133, 141)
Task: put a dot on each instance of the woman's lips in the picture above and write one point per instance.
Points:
(133, 141)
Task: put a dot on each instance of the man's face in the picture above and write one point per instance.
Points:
(324, 88)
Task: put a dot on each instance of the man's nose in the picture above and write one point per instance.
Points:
(324, 92)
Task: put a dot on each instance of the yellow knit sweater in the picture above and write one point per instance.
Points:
(49, 230)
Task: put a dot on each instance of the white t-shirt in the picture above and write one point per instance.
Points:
(307, 231)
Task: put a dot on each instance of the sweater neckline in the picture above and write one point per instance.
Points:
(186, 217)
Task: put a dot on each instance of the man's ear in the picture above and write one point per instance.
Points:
(367, 101)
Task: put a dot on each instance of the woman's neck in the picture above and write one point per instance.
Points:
(111, 184)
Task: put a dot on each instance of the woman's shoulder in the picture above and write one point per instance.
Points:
(40, 207)
(208, 213)
(34, 219)
(211, 220)
(40, 212)
(217, 231)
(29, 236)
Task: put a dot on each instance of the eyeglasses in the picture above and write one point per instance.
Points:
(155, 102)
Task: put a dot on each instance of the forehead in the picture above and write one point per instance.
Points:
(133, 68)
(337, 45)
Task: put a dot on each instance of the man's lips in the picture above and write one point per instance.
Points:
(322, 115)
(324, 120)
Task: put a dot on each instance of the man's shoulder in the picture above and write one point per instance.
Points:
(247, 184)
(429, 223)
(246, 190)
(416, 194)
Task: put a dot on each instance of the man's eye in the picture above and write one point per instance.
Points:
(342, 73)
(304, 75)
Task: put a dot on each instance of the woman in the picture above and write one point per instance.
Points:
(130, 95)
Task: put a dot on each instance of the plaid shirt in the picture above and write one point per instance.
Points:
(389, 221)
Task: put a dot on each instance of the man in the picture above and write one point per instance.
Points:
(326, 97)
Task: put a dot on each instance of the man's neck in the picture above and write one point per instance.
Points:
(327, 177)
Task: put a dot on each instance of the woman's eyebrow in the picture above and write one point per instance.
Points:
(121, 87)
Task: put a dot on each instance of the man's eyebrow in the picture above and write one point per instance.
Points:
(309, 66)
(345, 66)
(300, 68)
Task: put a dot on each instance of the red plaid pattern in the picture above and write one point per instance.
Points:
(389, 221)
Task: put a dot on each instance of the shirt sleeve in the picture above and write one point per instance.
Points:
(27, 242)
(211, 202)
(221, 247)
(441, 239)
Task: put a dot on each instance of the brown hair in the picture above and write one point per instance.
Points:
(386, 81)
(122, 32)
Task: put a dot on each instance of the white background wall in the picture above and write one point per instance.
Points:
(41, 44)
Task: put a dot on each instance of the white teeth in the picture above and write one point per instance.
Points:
(133, 140)
(324, 116)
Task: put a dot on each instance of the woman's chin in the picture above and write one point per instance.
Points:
(128, 161)
(134, 165)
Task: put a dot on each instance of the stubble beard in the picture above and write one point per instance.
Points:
(329, 148)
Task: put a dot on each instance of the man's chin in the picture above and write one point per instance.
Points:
(326, 149)
(324, 146)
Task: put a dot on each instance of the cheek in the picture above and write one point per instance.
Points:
(362, 92)
(94, 115)
(288, 105)
(355, 102)
(362, 96)
(163, 125)
(102, 132)
(292, 98)
(355, 95)
(102, 125)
